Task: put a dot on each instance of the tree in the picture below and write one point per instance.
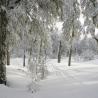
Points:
(43, 16)
(30, 21)
(8, 55)
(3, 25)
(90, 11)
(72, 25)
(59, 52)
(4, 5)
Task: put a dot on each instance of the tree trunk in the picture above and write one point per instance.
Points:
(44, 62)
(43, 72)
(59, 53)
(71, 41)
(3, 33)
(8, 55)
(70, 54)
(30, 55)
(24, 59)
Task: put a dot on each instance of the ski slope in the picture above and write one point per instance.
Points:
(77, 81)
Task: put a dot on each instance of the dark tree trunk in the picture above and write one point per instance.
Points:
(70, 54)
(24, 59)
(8, 55)
(59, 53)
(4, 4)
(3, 33)
(95, 39)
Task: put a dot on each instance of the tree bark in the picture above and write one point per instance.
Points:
(8, 55)
(3, 33)
(24, 59)
(59, 53)
(70, 54)
(71, 40)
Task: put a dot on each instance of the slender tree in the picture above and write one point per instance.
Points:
(71, 23)
(59, 52)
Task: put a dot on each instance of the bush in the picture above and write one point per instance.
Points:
(87, 55)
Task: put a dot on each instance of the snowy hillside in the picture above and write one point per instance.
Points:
(78, 81)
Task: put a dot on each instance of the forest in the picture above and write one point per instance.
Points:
(48, 48)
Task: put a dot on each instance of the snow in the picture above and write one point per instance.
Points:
(78, 81)
(17, 78)
(6, 92)
(18, 81)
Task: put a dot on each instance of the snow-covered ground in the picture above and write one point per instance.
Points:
(18, 81)
(78, 81)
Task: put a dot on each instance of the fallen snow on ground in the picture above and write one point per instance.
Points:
(18, 81)
(77, 81)
(18, 78)
(7, 92)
